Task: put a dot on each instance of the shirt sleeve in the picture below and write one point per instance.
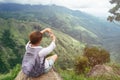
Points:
(27, 45)
(47, 50)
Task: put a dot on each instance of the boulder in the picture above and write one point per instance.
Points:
(51, 75)
(100, 70)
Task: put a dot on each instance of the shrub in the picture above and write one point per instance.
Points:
(81, 64)
(91, 57)
(96, 55)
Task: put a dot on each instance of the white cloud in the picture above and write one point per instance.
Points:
(97, 8)
(1, 0)
(99, 12)
(94, 7)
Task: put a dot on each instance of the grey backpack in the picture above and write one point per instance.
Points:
(31, 64)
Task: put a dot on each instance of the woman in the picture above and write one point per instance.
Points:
(34, 62)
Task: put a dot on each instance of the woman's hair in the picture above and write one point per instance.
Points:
(35, 37)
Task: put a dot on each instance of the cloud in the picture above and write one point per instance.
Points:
(97, 8)
(27, 1)
(67, 3)
(94, 7)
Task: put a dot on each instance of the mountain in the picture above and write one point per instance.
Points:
(79, 25)
(73, 29)
(14, 35)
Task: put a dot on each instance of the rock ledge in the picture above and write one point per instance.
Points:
(51, 75)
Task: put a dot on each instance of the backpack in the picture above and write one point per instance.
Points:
(32, 65)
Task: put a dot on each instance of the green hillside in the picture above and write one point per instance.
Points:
(81, 26)
(73, 29)
(14, 36)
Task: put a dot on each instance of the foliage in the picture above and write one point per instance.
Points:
(91, 57)
(115, 11)
(12, 74)
(96, 55)
(6, 41)
(5, 59)
(14, 35)
(19, 20)
(94, 31)
(10, 51)
(81, 65)
(71, 75)
(65, 74)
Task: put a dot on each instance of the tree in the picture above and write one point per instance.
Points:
(6, 40)
(8, 51)
(92, 56)
(115, 11)
(96, 55)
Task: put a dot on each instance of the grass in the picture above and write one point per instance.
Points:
(70, 75)
(12, 74)
(65, 74)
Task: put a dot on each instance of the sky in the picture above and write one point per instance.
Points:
(98, 8)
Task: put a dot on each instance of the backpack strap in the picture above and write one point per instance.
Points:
(43, 61)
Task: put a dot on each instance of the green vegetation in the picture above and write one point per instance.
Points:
(115, 11)
(12, 74)
(8, 60)
(72, 32)
(81, 65)
(14, 38)
(91, 56)
(96, 55)
(65, 74)
(71, 75)
(81, 26)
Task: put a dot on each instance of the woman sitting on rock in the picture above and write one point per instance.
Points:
(34, 62)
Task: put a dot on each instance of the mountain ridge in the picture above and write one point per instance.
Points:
(14, 36)
(83, 27)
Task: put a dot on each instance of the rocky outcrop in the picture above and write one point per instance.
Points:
(51, 75)
(100, 70)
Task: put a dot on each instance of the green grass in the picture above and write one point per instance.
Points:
(67, 47)
(12, 74)
(65, 74)
(70, 75)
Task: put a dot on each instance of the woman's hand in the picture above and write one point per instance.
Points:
(46, 30)
(53, 37)
(49, 32)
